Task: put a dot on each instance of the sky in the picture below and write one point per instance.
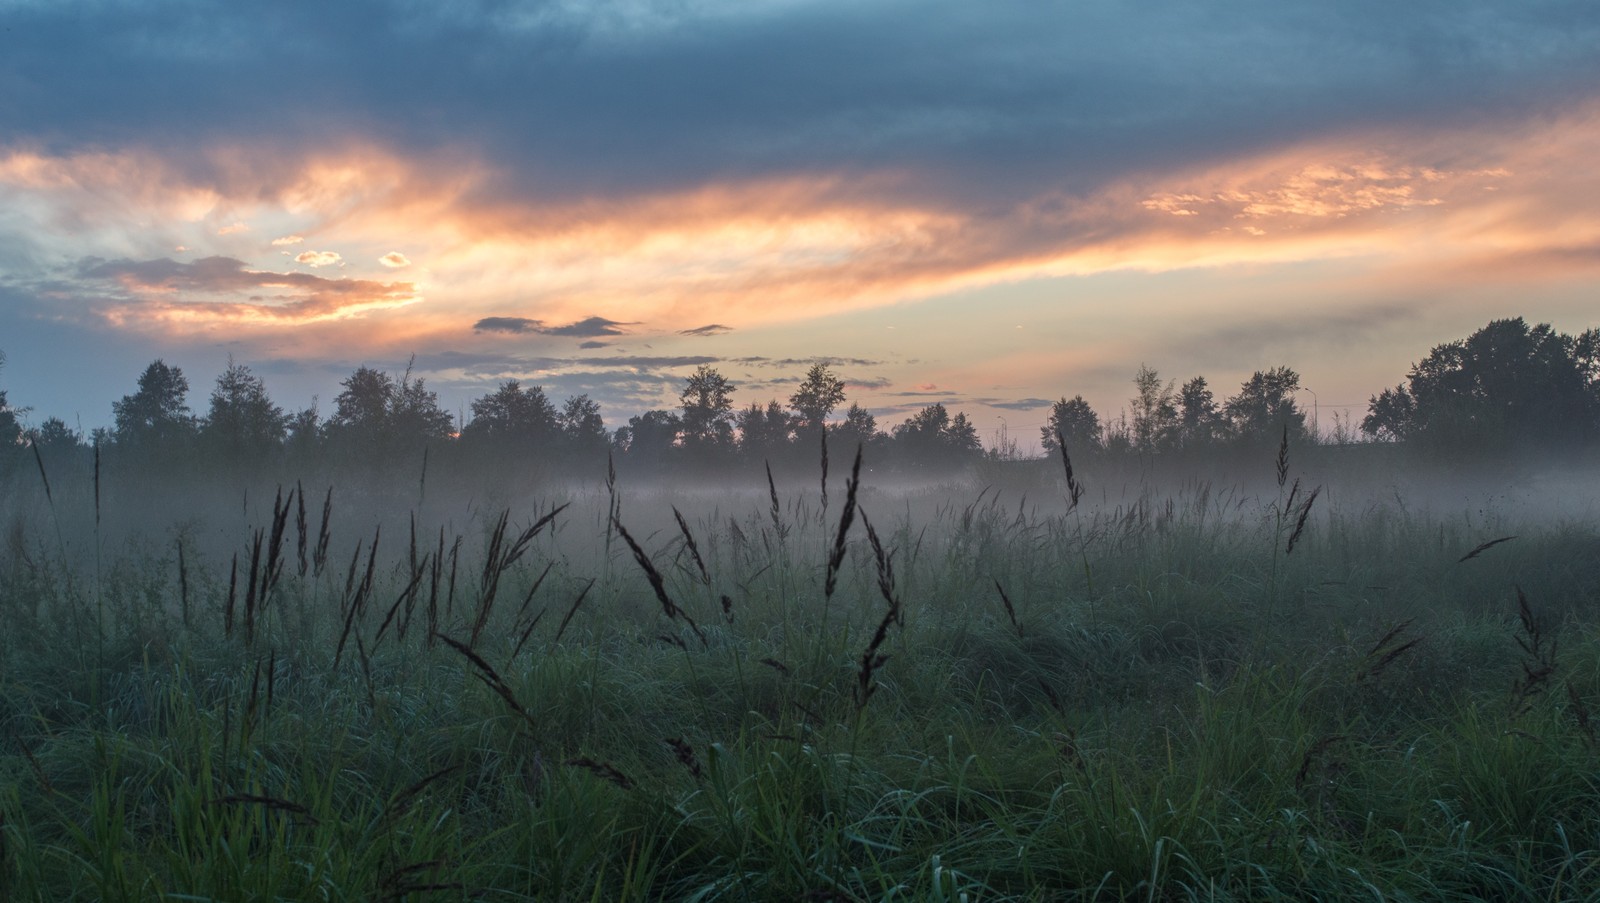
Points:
(990, 205)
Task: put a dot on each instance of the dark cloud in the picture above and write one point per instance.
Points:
(585, 328)
(514, 325)
(1021, 404)
(602, 99)
(790, 362)
(590, 346)
(588, 327)
(707, 330)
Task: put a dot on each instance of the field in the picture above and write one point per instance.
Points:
(1173, 689)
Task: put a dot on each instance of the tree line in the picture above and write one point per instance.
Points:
(1507, 386)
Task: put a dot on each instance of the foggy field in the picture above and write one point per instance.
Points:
(1335, 675)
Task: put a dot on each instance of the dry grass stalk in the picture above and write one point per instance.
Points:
(872, 659)
(1313, 753)
(776, 665)
(658, 583)
(492, 679)
(301, 539)
(603, 770)
(356, 598)
(250, 594)
(727, 607)
(44, 477)
(1300, 522)
(319, 556)
(846, 517)
(397, 884)
(1539, 656)
(233, 587)
(1074, 488)
(1580, 713)
(402, 801)
(183, 583)
(1011, 612)
(685, 755)
(408, 593)
(571, 610)
(1283, 457)
(1383, 654)
(1483, 547)
(499, 558)
(693, 547)
(777, 509)
(823, 432)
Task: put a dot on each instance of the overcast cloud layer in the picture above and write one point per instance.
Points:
(312, 186)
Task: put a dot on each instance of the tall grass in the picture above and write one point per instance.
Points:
(1193, 695)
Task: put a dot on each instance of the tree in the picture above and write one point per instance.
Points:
(932, 436)
(707, 400)
(361, 411)
(1077, 423)
(859, 428)
(55, 435)
(764, 431)
(157, 414)
(415, 416)
(1155, 412)
(512, 416)
(649, 436)
(582, 428)
(1265, 406)
(819, 393)
(1200, 421)
(10, 428)
(1506, 383)
(242, 420)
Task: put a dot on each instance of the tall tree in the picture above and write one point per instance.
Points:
(1507, 383)
(1200, 421)
(1265, 406)
(582, 428)
(707, 420)
(10, 428)
(1154, 408)
(361, 411)
(859, 428)
(242, 421)
(157, 413)
(763, 431)
(649, 436)
(1076, 421)
(818, 395)
(512, 415)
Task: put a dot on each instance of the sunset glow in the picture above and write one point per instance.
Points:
(1003, 250)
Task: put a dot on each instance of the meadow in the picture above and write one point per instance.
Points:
(1300, 681)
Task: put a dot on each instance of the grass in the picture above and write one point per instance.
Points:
(755, 696)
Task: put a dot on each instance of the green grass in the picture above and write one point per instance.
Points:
(1174, 709)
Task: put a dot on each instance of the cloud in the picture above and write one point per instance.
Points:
(707, 330)
(318, 258)
(395, 259)
(223, 290)
(587, 346)
(286, 240)
(1020, 404)
(588, 327)
(513, 325)
(233, 229)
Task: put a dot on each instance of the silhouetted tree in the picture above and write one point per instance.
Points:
(931, 436)
(859, 428)
(55, 435)
(649, 437)
(242, 422)
(707, 421)
(157, 414)
(1200, 421)
(582, 428)
(764, 432)
(1154, 409)
(819, 393)
(1265, 405)
(513, 416)
(1077, 423)
(1507, 383)
(10, 428)
(376, 414)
